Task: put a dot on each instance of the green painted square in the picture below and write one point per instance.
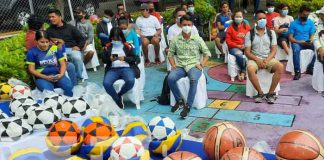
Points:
(236, 88)
(201, 125)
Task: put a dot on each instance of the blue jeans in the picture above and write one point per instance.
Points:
(296, 56)
(71, 72)
(240, 60)
(193, 75)
(63, 83)
(125, 73)
(76, 59)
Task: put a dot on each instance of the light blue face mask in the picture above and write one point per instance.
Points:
(191, 9)
(271, 9)
(116, 43)
(125, 31)
(262, 23)
(106, 20)
(284, 12)
(238, 20)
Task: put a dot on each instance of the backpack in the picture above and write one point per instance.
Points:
(252, 34)
(164, 98)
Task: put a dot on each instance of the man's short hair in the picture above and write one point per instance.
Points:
(178, 10)
(190, 3)
(260, 11)
(283, 5)
(185, 18)
(119, 4)
(109, 12)
(269, 4)
(35, 23)
(304, 8)
(55, 11)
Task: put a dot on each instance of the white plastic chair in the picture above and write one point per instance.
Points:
(265, 79)
(225, 50)
(94, 62)
(281, 54)
(233, 69)
(201, 94)
(318, 76)
(305, 58)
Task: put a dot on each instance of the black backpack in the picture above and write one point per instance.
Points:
(164, 98)
(252, 34)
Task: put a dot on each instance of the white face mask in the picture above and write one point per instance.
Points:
(322, 38)
(186, 29)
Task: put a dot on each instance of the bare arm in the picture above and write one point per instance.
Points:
(272, 52)
(172, 62)
(32, 70)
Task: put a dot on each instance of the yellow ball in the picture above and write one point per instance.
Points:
(4, 91)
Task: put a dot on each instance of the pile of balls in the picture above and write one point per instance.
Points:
(224, 141)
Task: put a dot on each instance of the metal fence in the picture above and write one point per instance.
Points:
(14, 13)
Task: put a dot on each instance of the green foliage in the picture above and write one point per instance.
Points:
(206, 9)
(294, 5)
(168, 16)
(12, 59)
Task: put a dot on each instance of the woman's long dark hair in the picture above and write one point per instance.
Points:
(235, 26)
(116, 33)
(41, 34)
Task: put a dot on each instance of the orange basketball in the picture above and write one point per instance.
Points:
(64, 132)
(182, 155)
(221, 138)
(97, 132)
(243, 153)
(299, 145)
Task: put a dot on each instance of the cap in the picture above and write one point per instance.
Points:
(320, 11)
(144, 6)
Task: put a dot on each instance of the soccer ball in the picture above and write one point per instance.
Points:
(95, 119)
(64, 132)
(75, 107)
(24, 110)
(126, 148)
(97, 132)
(43, 117)
(13, 128)
(16, 102)
(55, 101)
(3, 115)
(162, 128)
(4, 91)
(19, 90)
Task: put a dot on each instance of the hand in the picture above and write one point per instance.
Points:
(57, 41)
(59, 76)
(50, 78)
(259, 63)
(241, 46)
(173, 67)
(264, 63)
(199, 66)
(112, 58)
(75, 48)
(121, 58)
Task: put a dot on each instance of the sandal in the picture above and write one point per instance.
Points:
(147, 63)
(157, 61)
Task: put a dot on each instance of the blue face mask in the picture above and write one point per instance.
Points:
(191, 9)
(106, 20)
(125, 31)
(284, 12)
(116, 43)
(262, 23)
(271, 9)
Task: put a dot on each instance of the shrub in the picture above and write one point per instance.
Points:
(294, 5)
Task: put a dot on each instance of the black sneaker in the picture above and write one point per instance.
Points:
(185, 111)
(271, 98)
(121, 103)
(258, 98)
(297, 75)
(179, 104)
(309, 71)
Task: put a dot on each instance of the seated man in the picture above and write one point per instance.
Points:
(260, 49)
(153, 12)
(104, 27)
(301, 35)
(150, 29)
(85, 27)
(187, 48)
(74, 41)
(196, 18)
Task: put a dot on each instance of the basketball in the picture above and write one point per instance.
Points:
(64, 132)
(182, 155)
(242, 153)
(221, 138)
(97, 132)
(299, 145)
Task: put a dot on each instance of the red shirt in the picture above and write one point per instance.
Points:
(270, 17)
(157, 15)
(30, 39)
(234, 38)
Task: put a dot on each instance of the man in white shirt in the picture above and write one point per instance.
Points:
(150, 32)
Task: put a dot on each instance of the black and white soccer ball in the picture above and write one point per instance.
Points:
(43, 117)
(25, 109)
(14, 128)
(16, 102)
(75, 107)
(3, 115)
(55, 101)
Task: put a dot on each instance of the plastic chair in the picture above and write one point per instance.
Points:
(94, 62)
(318, 76)
(233, 69)
(305, 58)
(281, 54)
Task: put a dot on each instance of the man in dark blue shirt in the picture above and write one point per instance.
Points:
(301, 35)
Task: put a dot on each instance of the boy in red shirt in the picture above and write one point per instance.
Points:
(271, 15)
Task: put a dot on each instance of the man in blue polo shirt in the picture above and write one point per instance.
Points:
(301, 35)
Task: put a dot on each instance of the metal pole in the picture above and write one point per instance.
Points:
(124, 3)
(71, 10)
(31, 6)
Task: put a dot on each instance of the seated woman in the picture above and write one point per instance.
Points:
(47, 64)
(235, 40)
(281, 24)
(130, 34)
(121, 62)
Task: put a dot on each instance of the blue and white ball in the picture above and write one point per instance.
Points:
(161, 128)
(16, 102)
